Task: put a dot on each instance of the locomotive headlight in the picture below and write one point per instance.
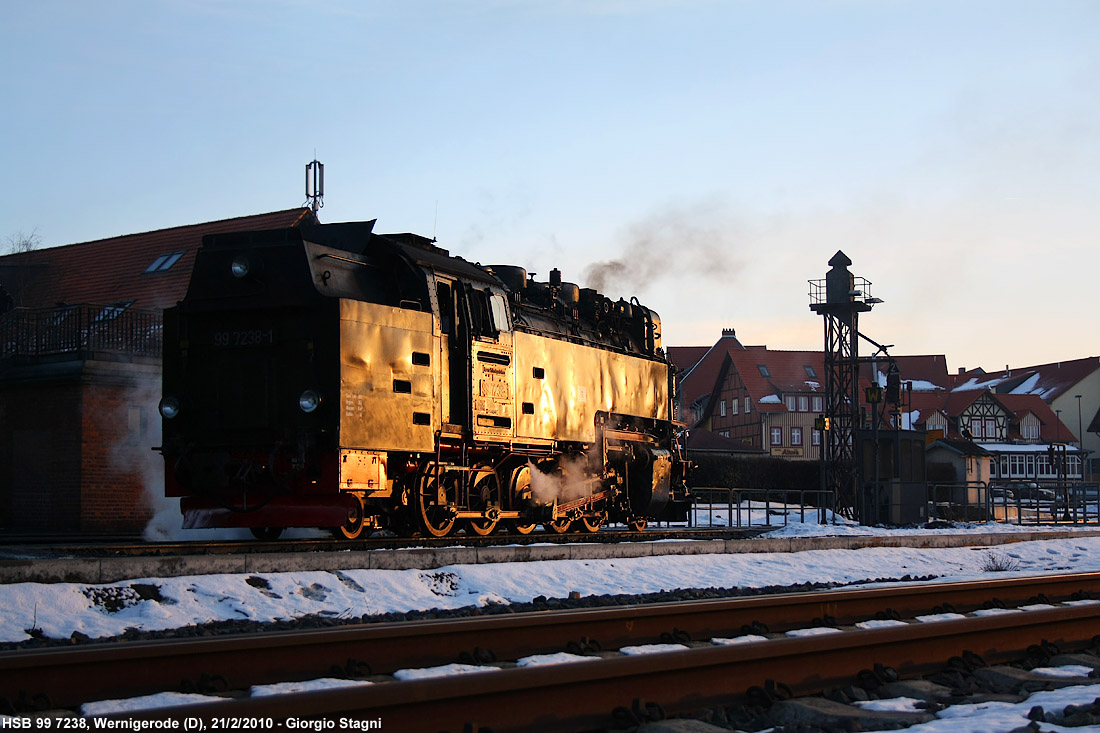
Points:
(241, 266)
(309, 401)
(169, 407)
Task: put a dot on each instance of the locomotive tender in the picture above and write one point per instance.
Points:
(327, 376)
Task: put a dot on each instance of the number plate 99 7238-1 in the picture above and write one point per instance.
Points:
(243, 338)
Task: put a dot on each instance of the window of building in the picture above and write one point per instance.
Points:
(796, 436)
(818, 403)
(1073, 467)
(803, 403)
(792, 402)
(722, 408)
(734, 404)
(748, 405)
(777, 436)
(991, 428)
(164, 262)
(810, 371)
(1030, 465)
(1043, 464)
(763, 370)
(815, 437)
(976, 428)
(1016, 466)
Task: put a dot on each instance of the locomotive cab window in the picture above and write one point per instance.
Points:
(446, 308)
(499, 311)
(489, 313)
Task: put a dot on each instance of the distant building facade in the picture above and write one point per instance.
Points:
(1019, 423)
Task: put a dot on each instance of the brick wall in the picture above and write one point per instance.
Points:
(40, 450)
(76, 444)
(120, 426)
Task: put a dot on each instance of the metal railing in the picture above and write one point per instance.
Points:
(1015, 502)
(739, 505)
(80, 329)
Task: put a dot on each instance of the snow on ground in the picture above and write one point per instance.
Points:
(57, 610)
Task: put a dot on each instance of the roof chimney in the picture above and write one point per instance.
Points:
(732, 333)
(962, 370)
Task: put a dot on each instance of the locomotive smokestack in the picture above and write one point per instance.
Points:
(555, 277)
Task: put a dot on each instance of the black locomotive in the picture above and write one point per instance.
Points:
(328, 376)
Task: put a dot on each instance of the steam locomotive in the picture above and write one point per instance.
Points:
(328, 376)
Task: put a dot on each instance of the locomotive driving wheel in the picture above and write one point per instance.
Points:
(560, 525)
(636, 523)
(485, 496)
(592, 524)
(483, 527)
(353, 525)
(521, 526)
(521, 493)
(435, 517)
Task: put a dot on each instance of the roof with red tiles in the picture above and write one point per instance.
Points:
(925, 372)
(685, 357)
(769, 374)
(1049, 381)
(1050, 428)
(700, 379)
(150, 269)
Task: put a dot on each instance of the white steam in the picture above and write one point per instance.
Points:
(568, 482)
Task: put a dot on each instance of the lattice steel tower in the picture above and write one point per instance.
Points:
(840, 298)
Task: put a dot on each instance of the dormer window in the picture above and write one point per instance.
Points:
(164, 262)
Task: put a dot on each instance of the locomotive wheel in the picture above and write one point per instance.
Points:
(482, 527)
(521, 494)
(267, 534)
(591, 524)
(637, 523)
(560, 525)
(521, 526)
(436, 520)
(353, 525)
(485, 496)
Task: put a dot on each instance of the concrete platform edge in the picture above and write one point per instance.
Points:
(115, 569)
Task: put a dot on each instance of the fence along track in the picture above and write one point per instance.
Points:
(71, 676)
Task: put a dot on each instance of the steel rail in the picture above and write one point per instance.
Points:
(71, 676)
(583, 696)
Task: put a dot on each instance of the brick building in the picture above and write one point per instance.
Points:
(80, 373)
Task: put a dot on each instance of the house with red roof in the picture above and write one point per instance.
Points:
(80, 353)
(764, 400)
(767, 400)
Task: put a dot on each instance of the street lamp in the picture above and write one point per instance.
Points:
(1080, 437)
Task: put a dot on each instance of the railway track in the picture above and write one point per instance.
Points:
(136, 547)
(574, 696)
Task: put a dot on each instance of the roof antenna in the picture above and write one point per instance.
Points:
(315, 185)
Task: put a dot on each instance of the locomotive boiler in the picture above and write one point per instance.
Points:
(328, 376)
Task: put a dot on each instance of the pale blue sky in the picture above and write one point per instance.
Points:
(951, 149)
